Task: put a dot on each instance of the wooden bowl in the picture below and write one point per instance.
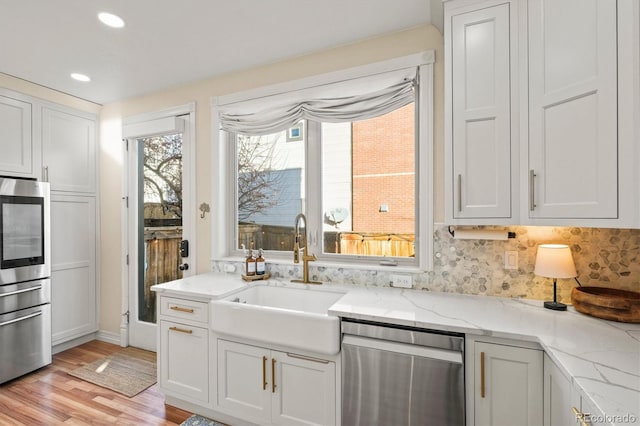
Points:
(607, 303)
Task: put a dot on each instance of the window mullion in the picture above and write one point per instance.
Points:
(313, 188)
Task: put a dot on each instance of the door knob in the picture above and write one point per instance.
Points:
(183, 267)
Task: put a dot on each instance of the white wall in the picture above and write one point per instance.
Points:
(372, 50)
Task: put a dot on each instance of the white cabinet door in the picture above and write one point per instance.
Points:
(16, 144)
(481, 114)
(74, 306)
(69, 150)
(559, 397)
(507, 385)
(244, 381)
(305, 391)
(573, 140)
(184, 360)
(270, 387)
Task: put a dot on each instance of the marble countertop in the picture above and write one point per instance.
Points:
(602, 357)
(212, 285)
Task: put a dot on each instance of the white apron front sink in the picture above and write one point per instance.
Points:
(291, 316)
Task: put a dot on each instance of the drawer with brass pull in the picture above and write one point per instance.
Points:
(184, 309)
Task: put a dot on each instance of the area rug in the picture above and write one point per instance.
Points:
(197, 420)
(128, 371)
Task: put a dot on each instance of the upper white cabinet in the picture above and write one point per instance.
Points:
(573, 137)
(16, 142)
(540, 112)
(69, 150)
(481, 64)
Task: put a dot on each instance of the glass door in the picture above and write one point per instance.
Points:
(159, 227)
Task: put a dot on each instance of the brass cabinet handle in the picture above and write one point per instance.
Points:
(264, 373)
(482, 393)
(459, 193)
(580, 416)
(273, 375)
(532, 190)
(181, 330)
(179, 309)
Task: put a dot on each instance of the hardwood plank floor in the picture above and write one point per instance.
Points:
(49, 396)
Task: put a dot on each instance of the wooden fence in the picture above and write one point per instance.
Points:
(162, 259)
(357, 243)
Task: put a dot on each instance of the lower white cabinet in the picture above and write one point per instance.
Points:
(507, 385)
(559, 396)
(272, 387)
(184, 360)
(563, 406)
(74, 300)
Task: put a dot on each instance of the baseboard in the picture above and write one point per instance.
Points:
(109, 337)
(73, 343)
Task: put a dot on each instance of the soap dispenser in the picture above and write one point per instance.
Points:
(260, 264)
(250, 264)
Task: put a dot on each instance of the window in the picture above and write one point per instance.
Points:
(355, 165)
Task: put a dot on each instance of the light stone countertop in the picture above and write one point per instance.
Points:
(602, 357)
(212, 285)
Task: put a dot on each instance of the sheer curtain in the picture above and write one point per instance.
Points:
(362, 98)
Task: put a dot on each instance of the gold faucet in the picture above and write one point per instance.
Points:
(306, 258)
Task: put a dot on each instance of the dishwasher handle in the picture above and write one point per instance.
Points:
(450, 356)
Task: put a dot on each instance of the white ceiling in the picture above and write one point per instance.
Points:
(167, 43)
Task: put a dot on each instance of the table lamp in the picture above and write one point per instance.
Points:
(555, 261)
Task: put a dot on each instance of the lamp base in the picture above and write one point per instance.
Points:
(556, 306)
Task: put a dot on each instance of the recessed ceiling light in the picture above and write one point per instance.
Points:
(111, 20)
(80, 77)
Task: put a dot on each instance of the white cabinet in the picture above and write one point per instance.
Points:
(74, 306)
(482, 62)
(563, 405)
(69, 164)
(183, 356)
(559, 396)
(506, 385)
(184, 360)
(550, 87)
(69, 150)
(16, 142)
(271, 387)
(573, 138)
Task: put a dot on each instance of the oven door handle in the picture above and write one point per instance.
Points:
(26, 317)
(25, 290)
(454, 357)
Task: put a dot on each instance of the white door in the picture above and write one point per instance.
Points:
(160, 210)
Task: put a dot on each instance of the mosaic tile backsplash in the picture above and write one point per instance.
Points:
(603, 257)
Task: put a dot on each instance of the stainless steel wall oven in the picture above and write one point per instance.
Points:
(25, 270)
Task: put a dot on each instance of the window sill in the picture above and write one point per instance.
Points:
(331, 265)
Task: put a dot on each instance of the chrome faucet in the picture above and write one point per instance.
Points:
(300, 243)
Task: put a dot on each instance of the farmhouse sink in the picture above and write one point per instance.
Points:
(295, 317)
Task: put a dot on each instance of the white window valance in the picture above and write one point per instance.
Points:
(349, 100)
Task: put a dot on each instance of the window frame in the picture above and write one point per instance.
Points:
(224, 165)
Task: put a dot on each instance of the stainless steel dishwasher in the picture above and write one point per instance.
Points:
(394, 375)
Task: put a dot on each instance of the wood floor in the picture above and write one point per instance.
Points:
(50, 396)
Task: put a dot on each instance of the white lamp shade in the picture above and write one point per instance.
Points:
(555, 261)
